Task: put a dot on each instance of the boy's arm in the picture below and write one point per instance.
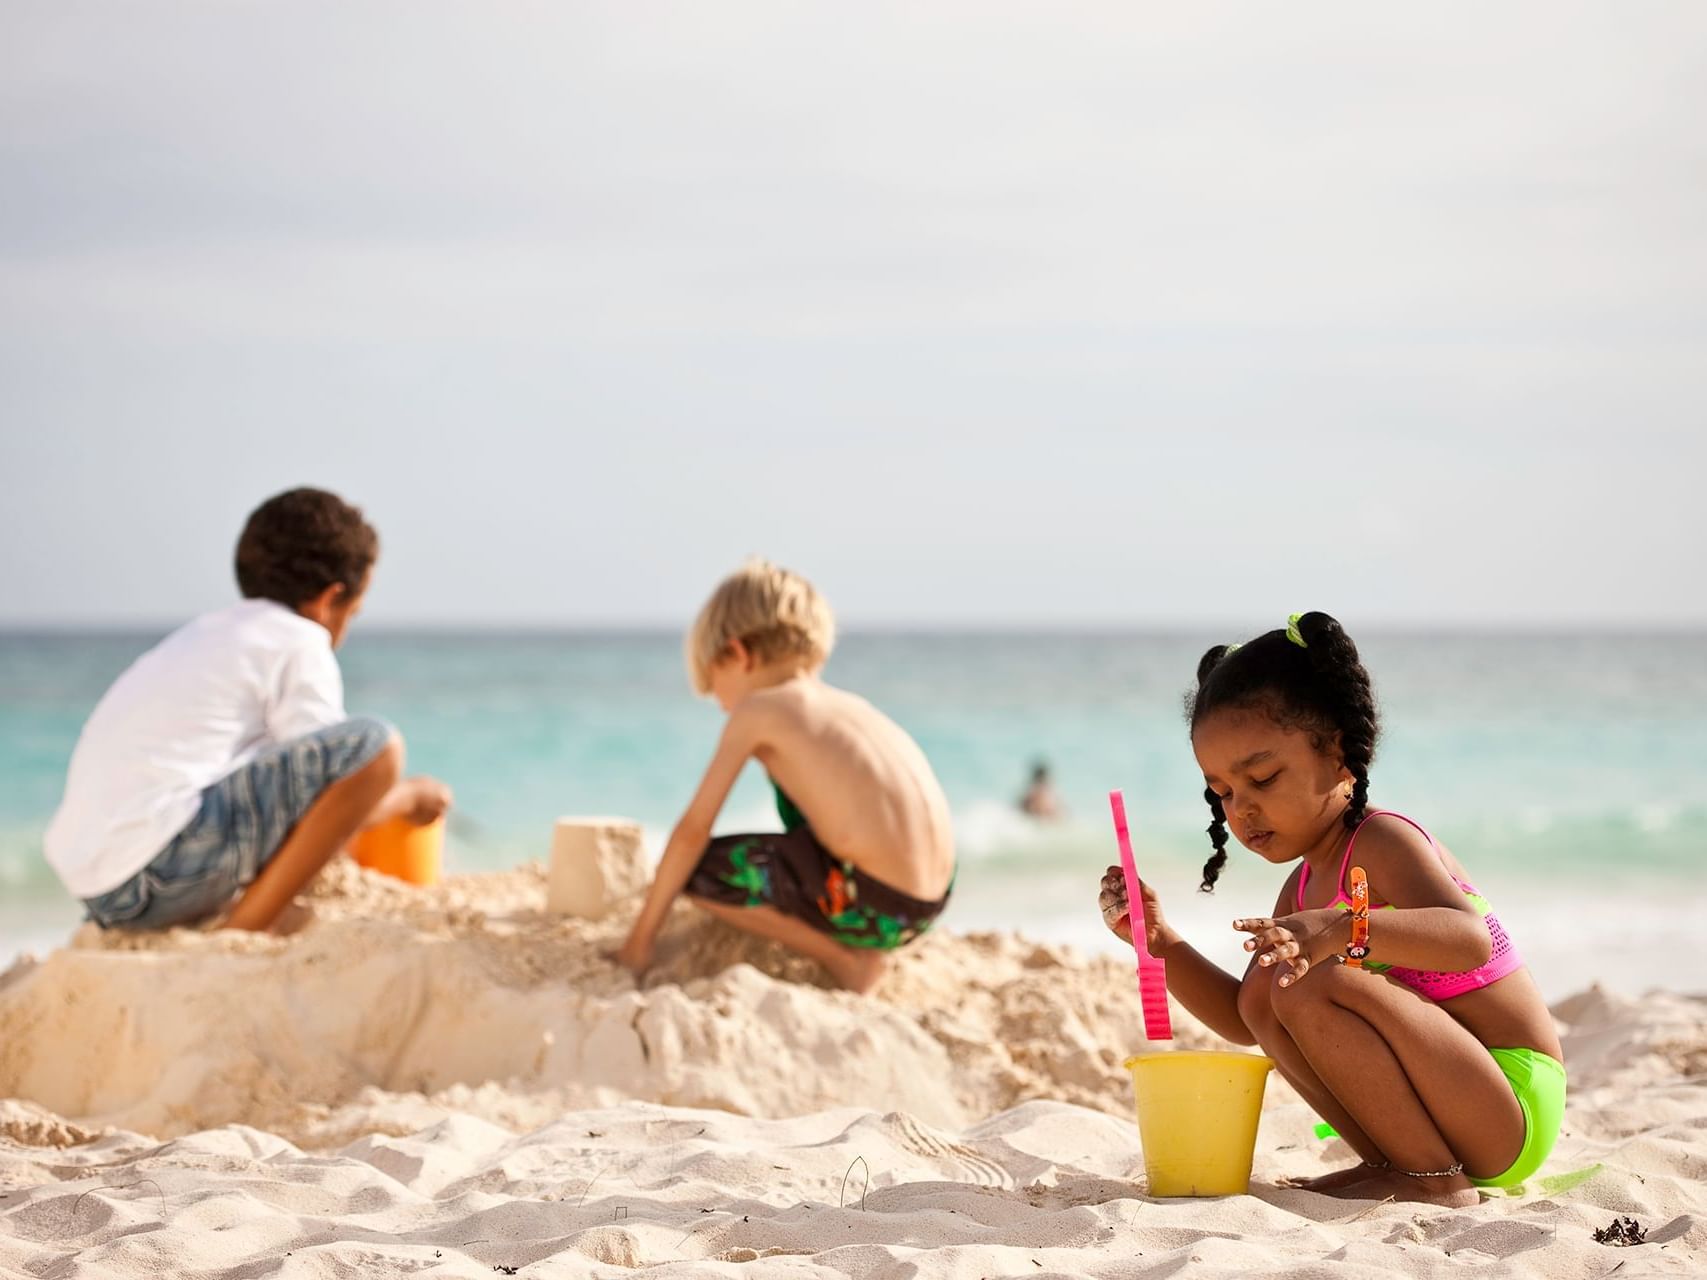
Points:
(419, 799)
(687, 842)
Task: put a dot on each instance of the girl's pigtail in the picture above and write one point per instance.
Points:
(1217, 816)
(1341, 673)
(1210, 660)
(1218, 837)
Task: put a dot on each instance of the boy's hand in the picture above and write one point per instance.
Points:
(1117, 912)
(428, 800)
(635, 955)
(1298, 941)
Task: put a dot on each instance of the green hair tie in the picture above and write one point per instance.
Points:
(1229, 651)
(1292, 632)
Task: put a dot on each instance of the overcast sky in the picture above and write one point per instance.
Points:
(1150, 314)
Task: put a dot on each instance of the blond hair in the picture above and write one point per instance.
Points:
(776, 613)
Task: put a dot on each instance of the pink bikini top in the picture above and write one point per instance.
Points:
(1436, 986)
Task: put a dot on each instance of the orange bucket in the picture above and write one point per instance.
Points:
(398, 847)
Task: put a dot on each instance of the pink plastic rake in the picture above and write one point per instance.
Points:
(1152, 970)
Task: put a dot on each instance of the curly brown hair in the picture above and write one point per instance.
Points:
(298, 543)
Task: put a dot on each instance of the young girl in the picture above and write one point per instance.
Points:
(1436, 1060)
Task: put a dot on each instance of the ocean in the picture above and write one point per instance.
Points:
(1568, 772)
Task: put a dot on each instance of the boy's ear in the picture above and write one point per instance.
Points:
(318, 608)
(740, 654)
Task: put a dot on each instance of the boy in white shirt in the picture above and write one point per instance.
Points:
(220, 765)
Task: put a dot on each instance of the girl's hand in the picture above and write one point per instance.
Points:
(1117, 913)
(1297, 941)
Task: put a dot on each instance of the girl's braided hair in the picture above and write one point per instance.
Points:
(1306, 675)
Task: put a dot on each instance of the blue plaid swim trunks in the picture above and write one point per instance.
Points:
(243, 819)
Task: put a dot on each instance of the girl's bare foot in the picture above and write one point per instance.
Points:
(1329, 1183)
(1455, 1192)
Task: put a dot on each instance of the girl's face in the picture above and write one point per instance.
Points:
(1281, 793)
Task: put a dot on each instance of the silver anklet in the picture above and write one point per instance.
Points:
(1453, 1172)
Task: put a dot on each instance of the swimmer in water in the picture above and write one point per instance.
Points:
(1040, 800)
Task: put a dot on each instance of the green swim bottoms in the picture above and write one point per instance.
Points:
(1539, 1083)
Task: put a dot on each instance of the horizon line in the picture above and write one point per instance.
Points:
(974, 627)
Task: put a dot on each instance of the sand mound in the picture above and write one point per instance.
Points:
(491, 1087)
(397, 1005)
(28, 1125)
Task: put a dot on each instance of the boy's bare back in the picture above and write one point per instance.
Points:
(860, 780)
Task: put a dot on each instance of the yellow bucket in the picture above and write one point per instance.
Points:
(398, 847)
(1197, 1117)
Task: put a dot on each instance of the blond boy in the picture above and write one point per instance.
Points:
(866, 862)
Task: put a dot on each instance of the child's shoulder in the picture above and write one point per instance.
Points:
(776, 704)
(1388, 838)
(241, 629)
(807, 702)
(259, 621)
(1406, 865)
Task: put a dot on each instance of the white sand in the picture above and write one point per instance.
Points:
(453, 1082)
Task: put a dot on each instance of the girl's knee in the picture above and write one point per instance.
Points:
(1256, 1003)
(1305, 997)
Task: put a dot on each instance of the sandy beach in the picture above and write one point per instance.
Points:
(638, 473)
(454, 1082)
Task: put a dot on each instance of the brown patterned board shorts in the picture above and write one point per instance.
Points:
(796, 875)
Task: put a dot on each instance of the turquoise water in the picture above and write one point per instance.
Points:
(1566, 771)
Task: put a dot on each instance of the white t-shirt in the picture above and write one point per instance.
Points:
(192, 709)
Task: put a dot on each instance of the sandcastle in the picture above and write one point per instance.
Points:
(595, 863)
